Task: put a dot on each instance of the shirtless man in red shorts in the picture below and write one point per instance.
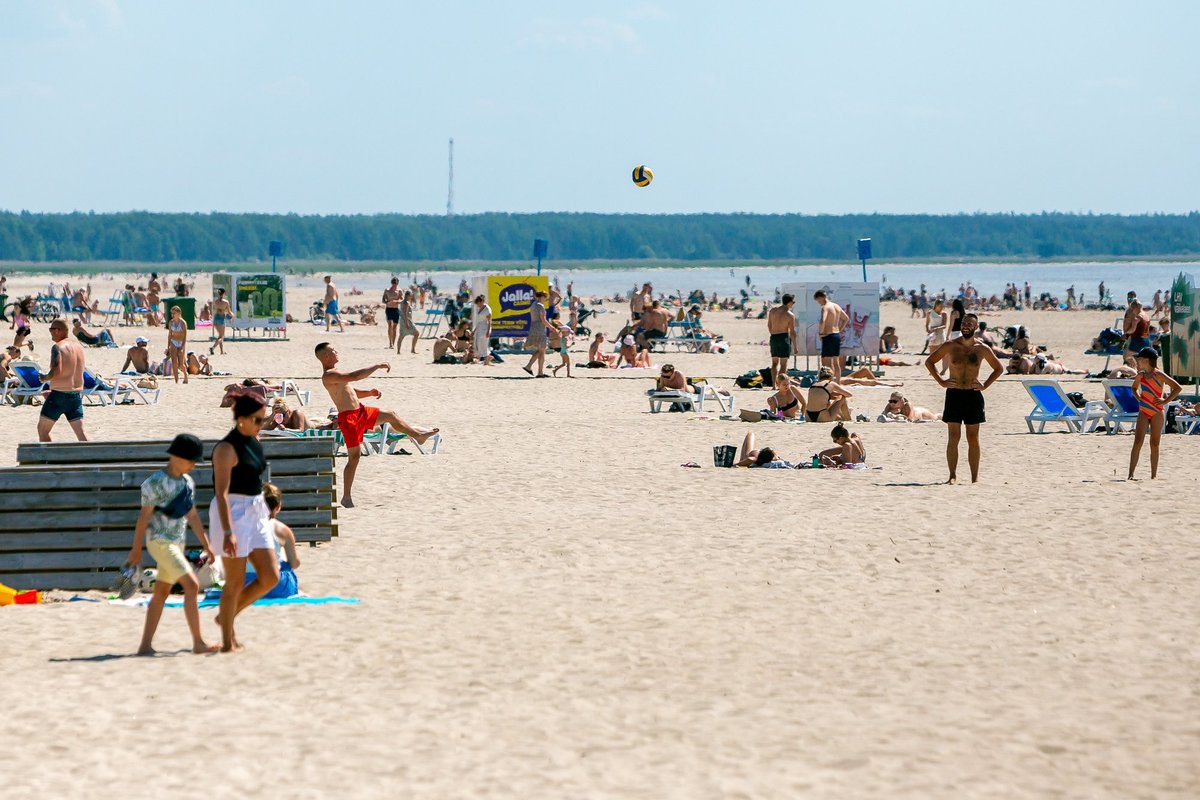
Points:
(355, 419)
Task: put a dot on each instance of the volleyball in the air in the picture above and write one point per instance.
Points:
(642, 175)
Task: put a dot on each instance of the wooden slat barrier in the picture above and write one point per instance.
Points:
(67, 513)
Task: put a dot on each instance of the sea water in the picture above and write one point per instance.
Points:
(1143, 277)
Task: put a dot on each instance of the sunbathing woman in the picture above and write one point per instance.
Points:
(763, 459)
(827, 399)
(864, 377)
(283, 417)
(198, 365)
(631, 355)
(788, 401)
(899, 409)
(849, 450)
(1148, 388)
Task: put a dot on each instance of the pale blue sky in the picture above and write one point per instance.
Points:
(807, 107)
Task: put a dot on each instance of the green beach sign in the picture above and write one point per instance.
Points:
(1184, 359)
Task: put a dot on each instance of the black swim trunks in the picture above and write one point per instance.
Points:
(58, 404)
(392, 314)
(781, 345)
(831, 345)
(963, 405)
(654, 334)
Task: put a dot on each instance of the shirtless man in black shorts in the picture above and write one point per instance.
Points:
(833, 321)
(964, 392)
(781, 325)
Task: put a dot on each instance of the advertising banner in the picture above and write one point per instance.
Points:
(860, 301)
(1184, 346)
(258, 300)
(510, 298)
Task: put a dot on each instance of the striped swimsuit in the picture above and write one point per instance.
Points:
(1150, 398)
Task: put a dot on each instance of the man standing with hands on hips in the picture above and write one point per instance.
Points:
(964, 392)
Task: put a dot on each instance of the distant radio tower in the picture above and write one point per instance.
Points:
(450, 191)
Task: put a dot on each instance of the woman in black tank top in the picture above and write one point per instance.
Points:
(239, 520)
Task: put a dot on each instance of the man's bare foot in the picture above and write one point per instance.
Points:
(953, 480)
(1131, 478)
(347, 502)
(200, 647)
(147, 651)
(420, 438)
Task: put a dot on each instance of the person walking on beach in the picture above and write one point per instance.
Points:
(1148, 388)
(964, 392)
(406, 326)
(535, 341)
(781, 325)
(222, 313)
(239, 518)
(66, 384)
(391, 301)
(331, 305)
(833, 322)
(481, 329)
(355, 419)
(177, 344)
(168, 508)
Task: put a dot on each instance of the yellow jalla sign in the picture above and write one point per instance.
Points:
(510, 298)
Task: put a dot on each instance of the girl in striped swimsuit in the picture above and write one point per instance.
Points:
(1148, 388)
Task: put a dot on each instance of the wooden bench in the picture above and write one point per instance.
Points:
(68, 512)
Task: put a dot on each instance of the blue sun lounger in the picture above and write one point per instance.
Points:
(1053, 405)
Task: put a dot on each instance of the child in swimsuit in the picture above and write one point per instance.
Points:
(1148, 388)
(176, 341)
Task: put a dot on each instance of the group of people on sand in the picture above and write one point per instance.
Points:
(848, 451)
(258, 555)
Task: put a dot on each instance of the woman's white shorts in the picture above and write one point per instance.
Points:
(251, 521)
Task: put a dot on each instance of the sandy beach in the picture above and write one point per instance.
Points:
(553, 607)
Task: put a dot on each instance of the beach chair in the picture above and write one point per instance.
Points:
(1124, 409)
(1053, 405)
(709, 392)
(687, 400)
(98, 392)
(26, 382)
(384, 439)
(116, 390)
(286, 387)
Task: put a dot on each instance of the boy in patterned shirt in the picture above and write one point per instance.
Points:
(168, 507)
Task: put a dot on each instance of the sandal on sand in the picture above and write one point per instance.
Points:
(527, 369)
(127, 583)
(691, 465)
(542, 375)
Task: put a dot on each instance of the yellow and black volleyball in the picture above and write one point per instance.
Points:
(642, 175)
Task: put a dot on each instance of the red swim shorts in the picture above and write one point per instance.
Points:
(356, 422)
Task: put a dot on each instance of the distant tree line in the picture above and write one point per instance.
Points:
(150, 237)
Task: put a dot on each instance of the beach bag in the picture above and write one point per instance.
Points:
(749, 380)
(724, 455)
(148, 382)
